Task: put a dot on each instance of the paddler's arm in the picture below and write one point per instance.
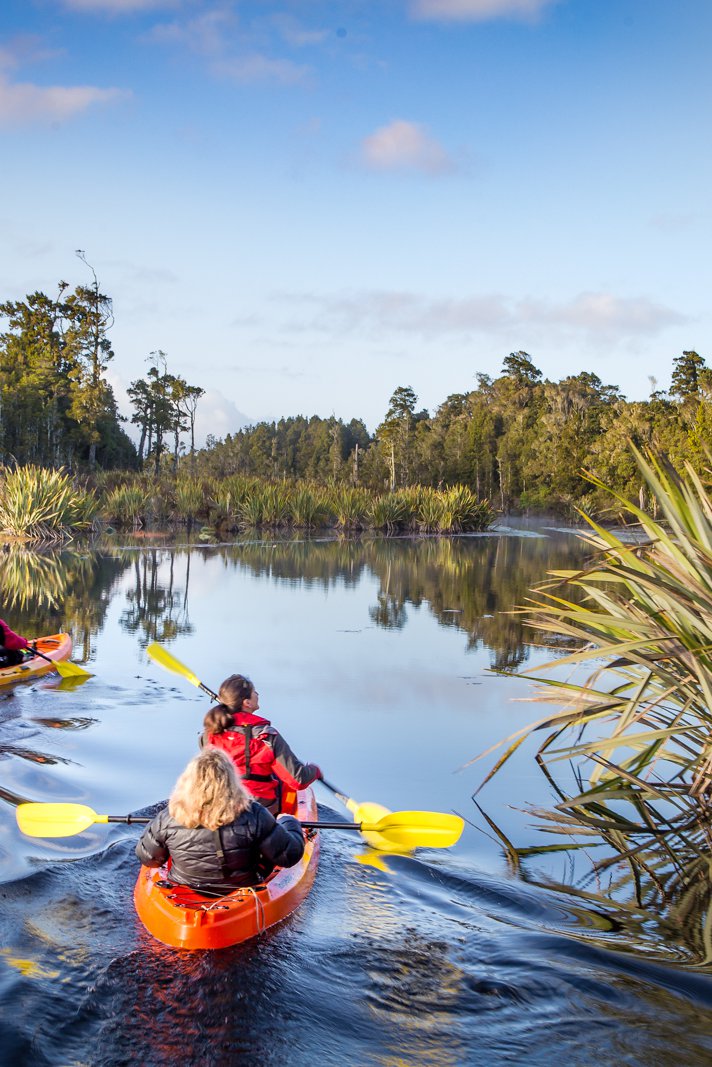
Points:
(289, 768)
(151, 849)
(11, 640)
(280, 840)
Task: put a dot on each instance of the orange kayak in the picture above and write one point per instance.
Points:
(56, 646)
(183, 918)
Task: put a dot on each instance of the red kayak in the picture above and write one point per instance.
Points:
(183, 918)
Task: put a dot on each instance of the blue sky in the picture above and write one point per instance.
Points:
(308, 204)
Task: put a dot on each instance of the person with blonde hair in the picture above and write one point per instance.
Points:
(216, 836)
(263, 758)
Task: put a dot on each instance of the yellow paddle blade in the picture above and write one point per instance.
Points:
(163, 657)
(55, 820)
(403, 830)
(67, 669)
(371, 814)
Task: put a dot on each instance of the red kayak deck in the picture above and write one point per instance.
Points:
(183, 918)
(56, 646)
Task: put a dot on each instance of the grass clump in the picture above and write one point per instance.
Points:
(44, 506)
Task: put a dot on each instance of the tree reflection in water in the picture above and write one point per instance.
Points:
(470, 582)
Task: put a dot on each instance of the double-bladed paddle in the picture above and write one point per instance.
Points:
(401, 829)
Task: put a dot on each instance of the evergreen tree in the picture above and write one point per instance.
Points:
(90, 316)
(395, 434)
(685, 375)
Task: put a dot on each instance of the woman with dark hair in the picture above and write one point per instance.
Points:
(12, 646)
(215, 834)
(262, 756)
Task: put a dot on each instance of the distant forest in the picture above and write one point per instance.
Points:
(519, 440)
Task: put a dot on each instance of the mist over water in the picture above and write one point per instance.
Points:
(387, 663)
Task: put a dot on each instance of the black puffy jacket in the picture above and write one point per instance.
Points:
(220, 860)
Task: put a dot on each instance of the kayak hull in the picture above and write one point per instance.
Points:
(56, 646)
(183, 918)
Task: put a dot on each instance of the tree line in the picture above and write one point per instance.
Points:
(517, 439)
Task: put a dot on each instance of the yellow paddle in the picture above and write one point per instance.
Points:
(400, 829)
(442, 829)
(63, 667)
(163, 657)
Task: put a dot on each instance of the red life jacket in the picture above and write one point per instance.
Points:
(248, 746)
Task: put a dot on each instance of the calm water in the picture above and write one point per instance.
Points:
(386, 662)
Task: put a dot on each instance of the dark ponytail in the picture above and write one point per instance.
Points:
(217, 720)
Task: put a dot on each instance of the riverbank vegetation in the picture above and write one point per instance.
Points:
(228, 505)
(633, 703)
(517, 441)
(38, 505)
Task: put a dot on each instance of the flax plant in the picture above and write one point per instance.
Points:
(251, 510)
(189, 497)
(428, 510)
(127, 505)
(44, 506)
(309, 508)
(349, 507)
(638, 727)
(462, 511)
(389, 513)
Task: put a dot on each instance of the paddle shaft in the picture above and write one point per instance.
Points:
(36, 652)
(332, 789)
(138, 819)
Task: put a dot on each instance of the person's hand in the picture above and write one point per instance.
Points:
(318, 775)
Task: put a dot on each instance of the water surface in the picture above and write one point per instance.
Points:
(387, 662)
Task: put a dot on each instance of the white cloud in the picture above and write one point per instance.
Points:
(207, 34)
(23, 102)
(116, 7)
(297, 35)
(603, 314)
(478, 10)
(211, 35)
(405, 145)
(218, 416)
(675, 221)
(257, 68)
(591, 316)
(24, 48)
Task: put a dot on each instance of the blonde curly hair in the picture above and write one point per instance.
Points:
(208, 792)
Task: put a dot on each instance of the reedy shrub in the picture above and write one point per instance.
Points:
(349, 506)
(308, 506)
(38, 505)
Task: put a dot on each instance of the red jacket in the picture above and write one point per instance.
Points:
(262, 757)
(10, 639)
